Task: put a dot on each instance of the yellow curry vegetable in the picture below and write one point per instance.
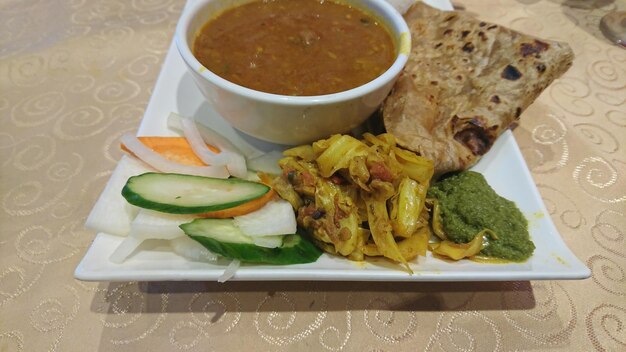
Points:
(457, 251)
(359, 198)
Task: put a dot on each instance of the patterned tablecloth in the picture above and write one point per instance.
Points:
(76, 74)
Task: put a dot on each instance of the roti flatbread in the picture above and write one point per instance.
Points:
(466, 82)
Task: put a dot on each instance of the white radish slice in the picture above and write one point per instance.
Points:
(267, 162)
(194, 132)
(149, 225)
(192, 250)
(125, 249)
(253, 176)
(112, 214)
(273, 241)
(160, 163)
(230, 271)
(274, 218)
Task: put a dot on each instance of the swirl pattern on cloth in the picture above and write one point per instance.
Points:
(78, 74)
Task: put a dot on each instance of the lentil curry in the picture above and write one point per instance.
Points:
(299, 48)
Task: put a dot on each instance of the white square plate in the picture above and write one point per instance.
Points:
(503, 167)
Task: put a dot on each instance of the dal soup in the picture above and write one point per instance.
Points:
(299, 48)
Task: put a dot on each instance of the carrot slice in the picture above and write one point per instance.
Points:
(241, 209)
(175, 149)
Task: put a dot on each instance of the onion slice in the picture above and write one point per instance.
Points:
(230, 271)
(162, 164)
(190, 130)
(198, 135)
(236, 164)
(174, 121)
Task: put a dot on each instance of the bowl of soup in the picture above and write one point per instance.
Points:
(292, 72)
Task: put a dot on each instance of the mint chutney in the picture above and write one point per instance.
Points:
(469, 205)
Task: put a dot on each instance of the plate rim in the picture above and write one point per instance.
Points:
(169, 69)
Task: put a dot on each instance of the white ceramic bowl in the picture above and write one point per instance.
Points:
(291, 119)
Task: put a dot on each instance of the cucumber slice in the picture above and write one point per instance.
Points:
(221, 236)
(188, 194)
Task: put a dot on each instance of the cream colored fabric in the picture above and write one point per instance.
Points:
(75, 75)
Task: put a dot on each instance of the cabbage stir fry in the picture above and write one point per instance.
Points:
(359, 198)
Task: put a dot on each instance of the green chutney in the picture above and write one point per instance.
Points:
(469, 205)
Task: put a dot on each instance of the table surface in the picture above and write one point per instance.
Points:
(75, 75)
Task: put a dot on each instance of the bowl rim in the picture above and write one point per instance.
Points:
(395, 21)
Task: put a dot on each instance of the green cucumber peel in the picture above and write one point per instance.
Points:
(296, 249)
(189, 194)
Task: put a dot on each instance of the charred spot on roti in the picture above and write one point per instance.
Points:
(454, 120)
(465, 33)
(475, 137)
(438, 45)
(482, 24)
(468, 47)
(511, 73)
(482, 35)
(450, 18)
(493, 26)
(535, 48)
(495, 99)
(541, 68)
(447, 31)
(518, 112)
